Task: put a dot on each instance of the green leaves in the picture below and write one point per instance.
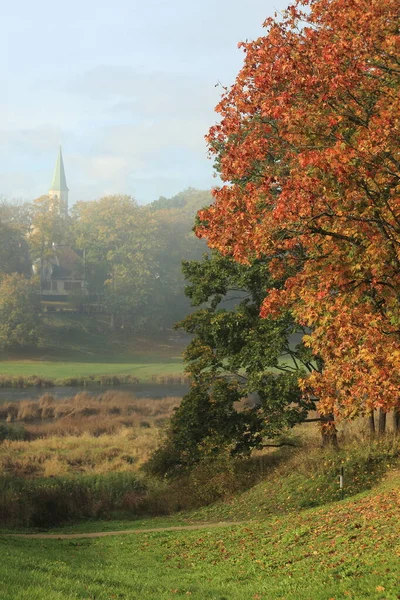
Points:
(19, 312)
(234, 354)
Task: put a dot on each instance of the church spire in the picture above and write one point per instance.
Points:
(59, 188)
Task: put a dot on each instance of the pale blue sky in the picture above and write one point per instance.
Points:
(126, 86)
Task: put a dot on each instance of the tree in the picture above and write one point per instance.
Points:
(14, 252)
(19, 312)
(235, 354)
(49, 225)
(177, 241)
(120, 240)
(16, 214)
(308, 150)
(15, 218)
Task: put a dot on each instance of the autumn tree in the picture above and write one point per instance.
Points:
(308, 151)
(16, 214)
(19, 312)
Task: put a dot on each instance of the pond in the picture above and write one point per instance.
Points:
(140, 390)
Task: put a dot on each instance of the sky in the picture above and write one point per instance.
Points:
(127, 87)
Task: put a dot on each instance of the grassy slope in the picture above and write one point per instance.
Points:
(76, 345)
(347, 549)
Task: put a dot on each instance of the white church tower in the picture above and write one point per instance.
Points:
(59, 187)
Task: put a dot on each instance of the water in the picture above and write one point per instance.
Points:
(139, 390)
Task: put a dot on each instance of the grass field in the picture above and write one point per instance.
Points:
(343, 550)
(79, 346)
(144, 367)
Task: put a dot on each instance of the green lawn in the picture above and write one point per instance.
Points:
(77, 345)
(142, 367)
(347, 549)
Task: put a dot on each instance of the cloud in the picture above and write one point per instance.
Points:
(144, 127)
(126, 87)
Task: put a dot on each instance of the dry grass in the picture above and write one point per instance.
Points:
(84, 434)
(349, 431)
(84, 454)
(85, 413)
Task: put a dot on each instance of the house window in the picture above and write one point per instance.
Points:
(54, 286)
(71, 286)
(46, 285)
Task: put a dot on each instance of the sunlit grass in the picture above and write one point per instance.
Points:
(343, 550)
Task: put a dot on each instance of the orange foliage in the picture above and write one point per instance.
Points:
(308, 150)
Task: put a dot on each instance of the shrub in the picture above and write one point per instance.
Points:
(49, 502)
(12, 432)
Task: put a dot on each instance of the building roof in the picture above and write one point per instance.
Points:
(63, 263)
(59, 182)
(67, 258)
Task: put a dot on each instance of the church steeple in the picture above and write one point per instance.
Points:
(59, 187)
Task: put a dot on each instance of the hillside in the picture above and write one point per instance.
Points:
(347, 549)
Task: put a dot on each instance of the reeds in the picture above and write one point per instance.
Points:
(22, 382)
(113, 431)
(118, 408)
(171, 379)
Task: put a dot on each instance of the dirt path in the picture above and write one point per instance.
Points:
(99, 534)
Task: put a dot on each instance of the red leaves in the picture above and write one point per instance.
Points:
(308, 144)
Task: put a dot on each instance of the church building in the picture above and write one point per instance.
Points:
(62, 271)
(59, 188)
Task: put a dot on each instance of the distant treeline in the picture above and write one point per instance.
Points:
(129, 258)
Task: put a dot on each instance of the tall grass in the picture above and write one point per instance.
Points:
(47, 502)
(89, 434)
(76, 455)
(24, 382)
(85, 412)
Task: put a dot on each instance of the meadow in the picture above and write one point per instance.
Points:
(143, 369)
(345, 549)
(79, 458)
(273, 526)
(78, 346)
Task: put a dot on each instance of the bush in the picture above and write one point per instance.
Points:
(21, 382)
(12, 432)
(206, 422)
(50, 502)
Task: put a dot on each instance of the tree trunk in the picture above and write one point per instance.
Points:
(371, 423)
(382, 422)
(396, 421)
(329, 433)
